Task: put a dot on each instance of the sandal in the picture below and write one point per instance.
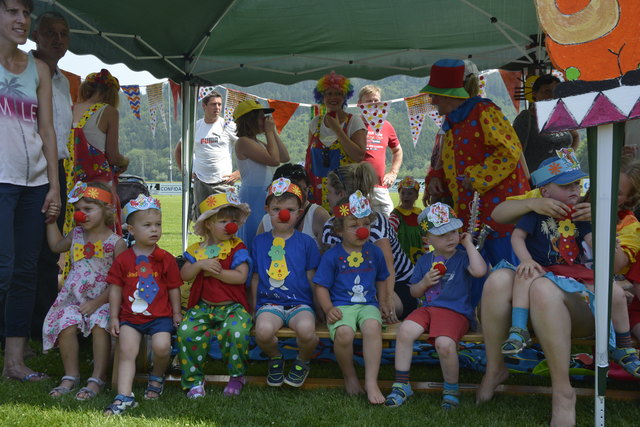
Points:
(90, 393)
(515, 346)
(61, 390)
(450, 399)
(627, 358)
(400, 392)
(234, 386)
(124, 403)
(196, 392)
(154, 389)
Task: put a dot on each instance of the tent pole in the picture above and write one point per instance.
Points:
(187, 142)
(605, 146)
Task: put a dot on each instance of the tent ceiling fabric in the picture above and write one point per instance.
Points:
(286, 41)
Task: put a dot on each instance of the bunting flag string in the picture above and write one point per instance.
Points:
(176, 93)
(283, 110)
(156, 103)
(417, 108)
(204, 91)
(375, 114)
(235, 97)
(133, 95)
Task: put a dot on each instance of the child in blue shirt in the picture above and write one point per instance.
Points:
(351, 291)
(442, 279)
(285, 261)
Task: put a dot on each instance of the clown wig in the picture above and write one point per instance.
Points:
(333, 81)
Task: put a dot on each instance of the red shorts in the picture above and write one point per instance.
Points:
(440, 322)
(634, 312)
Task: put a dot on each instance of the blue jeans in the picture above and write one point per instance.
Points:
(21, 229)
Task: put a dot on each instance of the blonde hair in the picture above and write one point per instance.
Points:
(102, 83)
(368, 90)
(472, 85)
(631, 168)
(353, 177)
(107, 209)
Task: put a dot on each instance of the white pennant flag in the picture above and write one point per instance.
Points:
(375, 114)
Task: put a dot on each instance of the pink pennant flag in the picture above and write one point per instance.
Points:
(375, 114)
(235, 97)
(417, 108)
(176, 92)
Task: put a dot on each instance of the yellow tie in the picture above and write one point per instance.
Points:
(88, 250)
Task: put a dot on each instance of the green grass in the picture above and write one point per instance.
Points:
(29, 405)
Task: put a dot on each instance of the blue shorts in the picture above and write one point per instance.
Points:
(160, 324)
(286, 313)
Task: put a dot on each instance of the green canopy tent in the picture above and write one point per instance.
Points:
(285, 41)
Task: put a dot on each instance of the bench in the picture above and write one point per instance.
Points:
(388, 334)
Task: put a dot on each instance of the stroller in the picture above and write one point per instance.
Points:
(129, 187)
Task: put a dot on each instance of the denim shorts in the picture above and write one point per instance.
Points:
(160, 324)
(286, 313)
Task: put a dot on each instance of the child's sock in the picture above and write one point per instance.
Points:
(519, 319)
(623, 339)
(402, 377)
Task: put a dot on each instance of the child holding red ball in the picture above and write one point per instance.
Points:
(442, 279)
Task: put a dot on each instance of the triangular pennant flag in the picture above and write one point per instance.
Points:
(482, 83)
(234, 97)
(204, 91)
(74, 84)
(283, 110)
(133, 95)
(511, 80)
(417, 108)
(176, 93)
(153, 119)
(156, 101)
(375, 114)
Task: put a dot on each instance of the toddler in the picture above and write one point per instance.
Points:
(404, 219)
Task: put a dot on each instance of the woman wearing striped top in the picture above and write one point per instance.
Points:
(346, 180)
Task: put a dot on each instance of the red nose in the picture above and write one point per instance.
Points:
(284, 216)
(80, 217)
(231, 227)
(362, 233)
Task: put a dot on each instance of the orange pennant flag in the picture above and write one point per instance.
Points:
(74, 84)
(512, 81)
(283, 112)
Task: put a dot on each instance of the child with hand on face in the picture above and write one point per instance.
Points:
(144, 300)
(218, 267)
(82, 306)
(442, 279)
(285, 261)
(404, 219)
(350, 288)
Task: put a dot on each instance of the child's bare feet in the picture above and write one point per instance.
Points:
(563, 408)
(374, 394)
(489, 383)
(352, 386)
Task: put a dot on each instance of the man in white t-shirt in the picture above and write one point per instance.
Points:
(51, 34)
(213, 144)
(377, 144)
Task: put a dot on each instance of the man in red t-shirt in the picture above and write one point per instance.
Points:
(377, 144)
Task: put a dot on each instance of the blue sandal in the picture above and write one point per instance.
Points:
(400, 392)
(627, 358)
(124, 403)
(450, 399)
(154, 389)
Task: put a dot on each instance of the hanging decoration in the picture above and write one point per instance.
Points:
(417, 107)
(283, 110)
(176, 93)
(204, 91)
(375, 114)
(235, 97)
(156, 103)
(133, 95)
(512, 81)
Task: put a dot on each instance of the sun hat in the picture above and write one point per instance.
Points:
(438, 219)
(140, 203)
(561, 169)
(447, 79)
(214, 203)
(247, 106)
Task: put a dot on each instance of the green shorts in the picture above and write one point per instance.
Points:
(354, 316)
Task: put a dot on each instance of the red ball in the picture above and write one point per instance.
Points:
(284, 215)
(441, 268)
(333, 113)
(362, 233)
(231, 227)
(80, 217)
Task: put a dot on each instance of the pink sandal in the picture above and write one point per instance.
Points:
(196, 392)
(234, 386)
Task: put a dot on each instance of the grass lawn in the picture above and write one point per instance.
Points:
(29, 405)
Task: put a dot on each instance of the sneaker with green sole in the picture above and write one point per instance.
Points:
(298, 374)
(275, 375)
